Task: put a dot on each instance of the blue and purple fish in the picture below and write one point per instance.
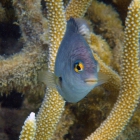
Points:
(76, 70)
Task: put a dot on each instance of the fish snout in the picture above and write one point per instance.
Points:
(91, 81)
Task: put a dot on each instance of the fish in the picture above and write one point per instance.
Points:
(76, 71)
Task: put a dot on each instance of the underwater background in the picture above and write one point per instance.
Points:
(80, 119)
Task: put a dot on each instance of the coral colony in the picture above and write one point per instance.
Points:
(117, 57)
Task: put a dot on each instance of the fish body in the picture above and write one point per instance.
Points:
(76, 70)
(75, 67)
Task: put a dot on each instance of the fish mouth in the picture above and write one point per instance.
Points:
(91, 81)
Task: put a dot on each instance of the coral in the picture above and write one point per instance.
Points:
(101, 47)
(132, 131)
(114, 81)
(13, 113)
(20, 70)
(122, 7)
(108, 20)
(79, 129)
(130, 113)
(67, 119)
(77, 8)
(49, 115)
(129, 93)
(29, 128)
(89, 113)
(109, 26)
(57, 26)
(53, 104)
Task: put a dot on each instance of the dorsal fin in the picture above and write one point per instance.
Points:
(71, 25)
(78, 25)
(83, 27)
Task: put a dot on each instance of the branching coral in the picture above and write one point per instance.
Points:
(114, 80)
(129, 93)
(53, 104)
(109, 26)
(77, 8)
(34, 37)
(19, 70)
(29, 128)
(101, 47)
(57, 28)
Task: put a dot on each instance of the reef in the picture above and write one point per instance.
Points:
(39, 33)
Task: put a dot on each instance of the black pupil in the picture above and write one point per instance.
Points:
(60, 79)
(78, 67)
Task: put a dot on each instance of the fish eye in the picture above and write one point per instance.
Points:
(78, 67)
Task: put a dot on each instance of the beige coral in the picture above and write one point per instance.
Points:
(108, 24)
(53, 104)
(100, 47)
(129, 93)
(113, 82)
(29, 128)
(77, 8)
(19, 71)
(52, 100)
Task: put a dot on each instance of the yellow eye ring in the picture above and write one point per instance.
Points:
(78, 67)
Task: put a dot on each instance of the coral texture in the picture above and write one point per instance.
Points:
(53, 104)
(39, 42)
(129, 93)
(19, 71)
(77, 8)
(29, 128)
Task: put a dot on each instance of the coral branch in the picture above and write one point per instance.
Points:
(20, 70)
(129, 94)
(29, 128)
(53, 104)
(114, 81)
(49, 115)
(101, 47)
(107, 23)
(57, 26)
(77, 8)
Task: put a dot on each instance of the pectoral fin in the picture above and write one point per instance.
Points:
(48, 78)
(102, 78)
